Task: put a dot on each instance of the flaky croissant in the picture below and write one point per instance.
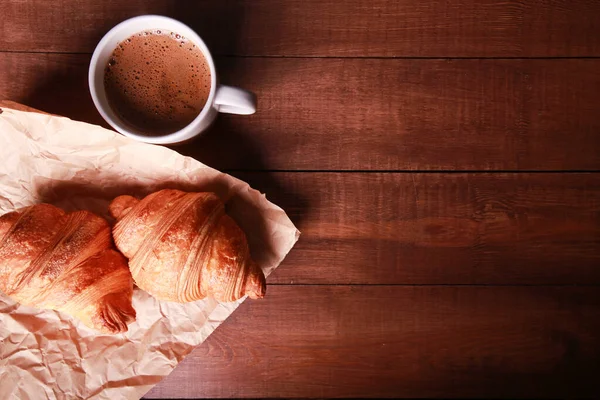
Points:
(66, 261)
(183, 247)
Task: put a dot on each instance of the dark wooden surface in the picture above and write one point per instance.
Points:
(372, 341)
(357, 28)
(441, 159)
(372, 114)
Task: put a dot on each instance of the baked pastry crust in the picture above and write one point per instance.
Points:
(67, 262)
(183, 247)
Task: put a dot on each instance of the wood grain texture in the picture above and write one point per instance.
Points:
(403, 283)
(324, 341)
(438, 228)
(370, 114)
(403, 28)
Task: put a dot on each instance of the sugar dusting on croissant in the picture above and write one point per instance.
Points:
(66, 261)
(184, 247)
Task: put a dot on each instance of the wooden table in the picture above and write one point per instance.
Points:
(441, 159)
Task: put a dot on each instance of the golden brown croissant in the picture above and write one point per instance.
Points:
(183, 247)
(66, 262)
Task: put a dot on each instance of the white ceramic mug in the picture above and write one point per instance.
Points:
(226, 99)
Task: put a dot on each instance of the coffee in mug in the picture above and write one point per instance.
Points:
(157, 81)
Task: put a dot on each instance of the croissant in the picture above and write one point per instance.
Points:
(183, 247)
(67, 262)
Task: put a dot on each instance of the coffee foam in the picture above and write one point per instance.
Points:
(157, 81)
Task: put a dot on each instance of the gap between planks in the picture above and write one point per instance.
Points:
(403, 171)
(434, 58)
(434, 285)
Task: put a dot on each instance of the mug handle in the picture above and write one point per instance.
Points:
(233, 100)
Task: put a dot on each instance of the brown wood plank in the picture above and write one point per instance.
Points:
(370, 114)
(52, 83)
(327, 341)
(403, 28)
(438, 228)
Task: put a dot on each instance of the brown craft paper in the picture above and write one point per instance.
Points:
(48, 354)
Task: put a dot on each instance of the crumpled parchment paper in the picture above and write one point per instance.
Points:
(48, 354)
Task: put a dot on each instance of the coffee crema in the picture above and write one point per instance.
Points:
(158, 82)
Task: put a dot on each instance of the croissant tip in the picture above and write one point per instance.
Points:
(116, 318)
(255, 295)
(256, 288)
(121, 206)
